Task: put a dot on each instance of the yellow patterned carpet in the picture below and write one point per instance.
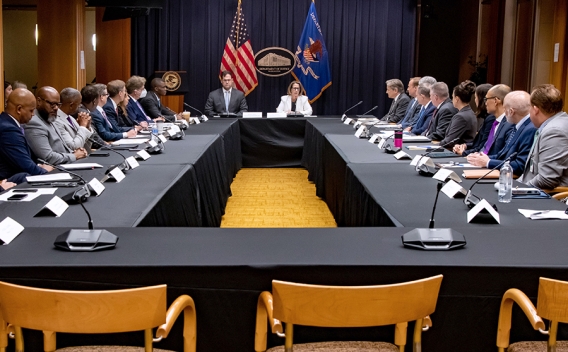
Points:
(275, 198)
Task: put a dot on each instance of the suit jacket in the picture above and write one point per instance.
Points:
(521, 143)
(463, 126)
(75, 136)
(302, 104)
(46, 142)
(112, 115)
(481, 138)
(439, 125)
(15, 154)
(215, 104)
(397, 109)
(153, 107)
(107, 132)
(547, 167)
(137, 113)
(411, 114)
(423, 121)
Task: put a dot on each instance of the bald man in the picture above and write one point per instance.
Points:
(42, 134)
(15, 156)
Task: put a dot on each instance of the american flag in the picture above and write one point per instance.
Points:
(238, 56)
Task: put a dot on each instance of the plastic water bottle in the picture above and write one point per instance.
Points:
(506, 183)
(154, 130)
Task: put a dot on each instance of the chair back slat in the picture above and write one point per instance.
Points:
(355, 306)
(552, 303)
(83, 311)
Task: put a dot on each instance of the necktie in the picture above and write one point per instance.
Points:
(431, 123)
(529, 165)
(22, 129)
(491, 137)
(142, 110)
(71, 123)
(106, 118)
(227, 99)
(510, 139)
(159, 105)
(409, 112)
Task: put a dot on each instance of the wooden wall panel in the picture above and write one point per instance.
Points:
(174, 102)
(61, 27)
(113, 49)
(559, 70)
(1, 52)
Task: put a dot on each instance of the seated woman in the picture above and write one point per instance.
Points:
(123, 118)
(463, 126)
(293, 101)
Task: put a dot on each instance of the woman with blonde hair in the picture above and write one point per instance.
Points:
(294, 101)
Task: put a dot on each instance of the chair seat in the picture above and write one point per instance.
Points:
(536, 346)
(107, 349)
(341, 346)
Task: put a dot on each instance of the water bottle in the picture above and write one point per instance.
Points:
(154, 130)
(506, 183)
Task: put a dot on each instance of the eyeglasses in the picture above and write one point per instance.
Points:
(104, 95)
(51, 103)
(487, 98)
(295, 88)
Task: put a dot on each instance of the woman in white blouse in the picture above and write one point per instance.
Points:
(294, 102)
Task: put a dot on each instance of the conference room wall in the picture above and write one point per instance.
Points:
(369, 41)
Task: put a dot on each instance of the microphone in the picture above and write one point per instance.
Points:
(424, 170)
(123, 166)
(440, 147)
(438, 188)
(79, 195)
(191, 107)
(353, 107)
(472, 202)
(374, 108)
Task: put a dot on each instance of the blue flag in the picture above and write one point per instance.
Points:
(312, 60)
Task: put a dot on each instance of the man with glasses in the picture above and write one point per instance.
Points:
(42, 134)
(226, 101)
(107, 129)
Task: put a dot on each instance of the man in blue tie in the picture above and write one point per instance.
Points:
(136, 91)
(226, 100)
(517, 106)
(16, 159)
(413, 107)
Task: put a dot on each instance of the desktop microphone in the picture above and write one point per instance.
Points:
(472, 202)
(123, 166)
(440, 147)
(438, 189)
(424, 170)
(199, 111)
(82, 194)
(374, 108)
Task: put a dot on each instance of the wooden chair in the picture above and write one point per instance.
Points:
(356, 306)
(93, 312)
(558, 193)
(552, 304)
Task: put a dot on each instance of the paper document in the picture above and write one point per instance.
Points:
(81, 166)
(422, 147)
(134, 141)
(30, 195)
(49, 177)
(453, 165)
(544, 214)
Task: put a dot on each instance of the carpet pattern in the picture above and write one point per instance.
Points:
(275, 198)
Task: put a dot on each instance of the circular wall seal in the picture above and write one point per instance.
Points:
(274, 62)
(173, 80)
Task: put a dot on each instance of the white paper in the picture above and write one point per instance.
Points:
(415, 161)
(195, 120)
(347, 121)
(357, 124)
(174, 129)
(57, 206)
(162, 138)
(422, 147)
(132, 162)
(444, 174)
(458, 165)
(426, 161)
(360, 131)
(97, 186)
(343, 117)
(81, 166)
(382, 142)
(271, 115)
(205, 118)
(544, 214)
(152, 143)
(401, 155)
(374, 138)
(50, 177)
(451, 188)
(131, 141)
(117, 174)
(31, 195)
(249, 114)
(410, 138)
(9, 229)
(143, 154)
(483, 204)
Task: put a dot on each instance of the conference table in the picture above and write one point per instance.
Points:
(374, 198)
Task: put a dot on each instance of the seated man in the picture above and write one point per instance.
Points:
(442, 116)
(116, 94)
(15, 157)
(517, 106)
(153, 106)
(227, 99)
(43, 135)
(136, 91)
(75, 133)
(395, 91)
(547, 166)
(413, 109)
(426, 111)
(107, 129)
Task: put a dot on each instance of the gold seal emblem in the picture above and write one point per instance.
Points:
(173, 80)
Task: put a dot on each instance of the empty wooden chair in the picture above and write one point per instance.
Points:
(94, 312)
(552, 304)
(337, 306)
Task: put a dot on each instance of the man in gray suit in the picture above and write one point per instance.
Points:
(226, 100)
(75, 133)
(395, 91)
(43, 136)
(547, 165)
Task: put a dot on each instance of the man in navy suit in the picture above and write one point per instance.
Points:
(136, 91)
(15, 156)
(517, 106)
(107, 129)
(426, 112)
(395, 91)
(413, 109)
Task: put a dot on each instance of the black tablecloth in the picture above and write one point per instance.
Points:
(225, 271)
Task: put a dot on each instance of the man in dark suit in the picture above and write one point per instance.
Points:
(426, 111)
(395, 91)
(413, 108)
(153, 106)
(136, 91)
(443, 114)
(517, 105)
(15, 156)
(107, 129)
(226, 99)
(117, 94)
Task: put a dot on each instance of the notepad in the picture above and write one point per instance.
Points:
(49, 177)
(81, 166)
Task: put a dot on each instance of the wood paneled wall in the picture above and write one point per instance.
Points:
(559, 70)
(113, 49)
(1, 52)
(61, 40)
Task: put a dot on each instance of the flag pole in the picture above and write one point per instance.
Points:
(237, 33)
